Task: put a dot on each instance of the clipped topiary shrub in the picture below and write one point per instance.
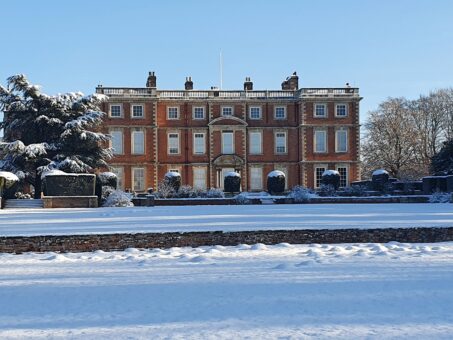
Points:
(276, 182)
(108, 179)
(232, 182)
(380, 179)
(332, 178)
(173, 179)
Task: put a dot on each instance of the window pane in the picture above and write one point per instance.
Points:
(280, 112)
(341, 110)
(256, 178)
(199, 113)
(138, 142)
(199, 143)
(227, 111)
(172, 113)
(320, 110)
(199, 178)
(342, 137)
(255, 112)
(139, 179)
(255, 143)
(280, 142)
(115, 110)
(173, 143)
(117, 142)
(320, 141)
(343, 171)
(318, 176)
(137, 111)
(119, 172)
(227, 143)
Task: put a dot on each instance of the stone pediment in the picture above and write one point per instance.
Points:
(235, 121)
(228, 161)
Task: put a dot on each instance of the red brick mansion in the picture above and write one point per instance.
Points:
(202, 134)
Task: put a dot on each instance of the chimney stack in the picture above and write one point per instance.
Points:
(188, 85)
(248, 84)
(291, 83)
(151, 81)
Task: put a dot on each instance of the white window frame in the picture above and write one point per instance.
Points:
(132, 111)
(169, 108)
(119, 172)
(111, 132)
(345, 109)
(232, 142)
(194, 112)
(275, 143)
(227, 107)
(121, 110)
(202, 152)
(168, 143)
(133, 179)
(260, 149)
(337, 149)
(133, 133)
(315, 113)
(205, 171)
(346, 180)
(317, 182)
(284, 112)
(260, 115)
(256, 180)
(315, 144)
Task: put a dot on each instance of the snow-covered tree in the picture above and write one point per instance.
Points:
(43, 132)
(442, 162)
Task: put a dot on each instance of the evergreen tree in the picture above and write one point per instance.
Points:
(43, 132)
(442, 162)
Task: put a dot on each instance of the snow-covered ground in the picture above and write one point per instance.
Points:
(226, 218)
(285, 291)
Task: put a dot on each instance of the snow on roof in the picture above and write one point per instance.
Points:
(9, 176)
(276, 173)
(172, 174)
(232, 174)
(54, 172)
(380, 172)
(330, 173)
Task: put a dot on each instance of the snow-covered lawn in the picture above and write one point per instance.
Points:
(226, 218)
(260, 292)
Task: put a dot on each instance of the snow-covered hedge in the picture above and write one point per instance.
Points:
(164, 190)
(441, 197)
(118, 198)
(331, 178)
(301, 194)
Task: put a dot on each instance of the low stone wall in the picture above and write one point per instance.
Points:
(110, 242)
(70, 201)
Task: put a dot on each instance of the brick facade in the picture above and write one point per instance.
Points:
(251, 132)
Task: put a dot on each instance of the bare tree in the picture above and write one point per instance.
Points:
(391, 142)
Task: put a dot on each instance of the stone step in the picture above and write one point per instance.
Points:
(23, 204)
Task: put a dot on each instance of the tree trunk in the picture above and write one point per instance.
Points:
(37, 186)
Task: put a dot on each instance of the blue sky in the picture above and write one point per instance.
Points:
(387, 48)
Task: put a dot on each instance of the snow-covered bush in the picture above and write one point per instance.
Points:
(215, 193)
(106, 192)
(327, 190)
(301, 194)
(276, 182)
(242, 199)
(331, 178)
(232, 182)
(108, 179)
(440, 197)
(186, 191)
(118, 198)
(173, 179)
(355, 191)
(165, 190)
(21, 196)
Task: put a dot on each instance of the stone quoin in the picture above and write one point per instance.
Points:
(204, 134)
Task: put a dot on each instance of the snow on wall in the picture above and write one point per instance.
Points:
(9, 176)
